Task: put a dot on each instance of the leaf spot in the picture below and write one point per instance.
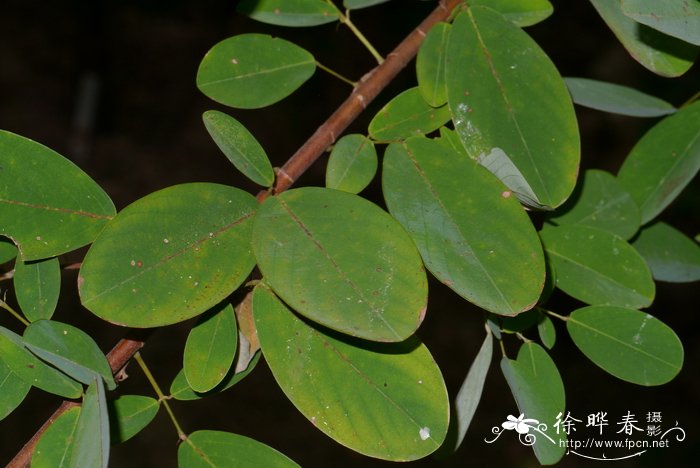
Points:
(424, 433)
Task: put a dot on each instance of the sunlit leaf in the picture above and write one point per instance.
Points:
(598, 267)
(663, 161)
(342, 385)
(469, 234)
(629, 344)
(37, 287)
(611, 97)
(129, 414)
(239, 146)
(677, 18)
(48, 205)
(352, 164)
(297, 13)
(341, 261)
(670, 254)
(521, 12)
(56, 443)
(91, 438)
(407, 115)
(495, 72)
(13, 389)
(430, 65)
(188, 248)
(221, 449)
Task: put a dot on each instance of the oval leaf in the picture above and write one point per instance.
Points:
(240, 147)
(677, 18)
(129, 415)
(56, 444)
(214, 448)
(250, 71)
(597, 267)
(600, 202)
(341, 261)
(520, 12)
(69, 349)
(495, 71)
(48, 205)
(8, 251)
(188, 248)
(210, 348)
(355, 4)
(546, 331)
(91, 442)
(399, 381)
(662, 54)
(538, 390)
(297, 13)
(470, 235)
(629, 344)
(671, 255)
(37, 287)
(352, 164)
(610, 97)
(663, 162)
(407, 115)
(430, 65)
(13, 389)
(30, 369)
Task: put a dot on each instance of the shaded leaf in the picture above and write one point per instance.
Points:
(56, 444)
(406, 115)
(129, 414)
(677, 18)
(250, 71)
(538, 390)
(629, 344)
(13, 389)
(495, 71)
(240, 147)
(469, 235)
(354, 4)
(499, 164)
(342, 385)
(216, 448)
(69, 349)
(663, 161)
(371, 278)
(188, 248)
(521, 12)
(546, 331)
(48, 205)
(37, 287)
(430, 65)
(662, 54)
(8, 251)
(598, 267)
(210, 348)
(671, 255)
(352, 164)
(600, 202)
(611, 97)
(91, 437)
(296, 13)
(520, 322)
(30, 369)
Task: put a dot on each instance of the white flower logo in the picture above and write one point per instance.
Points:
(520, 424)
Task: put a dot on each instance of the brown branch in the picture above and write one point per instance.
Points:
(365, 92)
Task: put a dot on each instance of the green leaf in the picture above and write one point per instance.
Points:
(91, 437)
(671, 255)
(663, 161)
(406, 115)
(30, 369)
(13, 389)
(617, 99)
(598, 267)
(662, 54)
(538, 390)
(450, 140)
(352, 164)
(495, 72)
(220, 449)
(386, 401)
(56, 444)
(48, 205)
(210, 348)
(188, 248)
(240, 147)
(180, 390)
(295, 13)
(600, 202)
(469, 234)
(521, 12)
(520, 322)
(430, 65)
(341, 261)
(69, 349)
(546, 331)
(355, 4)
(250, 71)
(629, 344)
(677, 18)
(129, 414)
(37, 287)
(8, 251)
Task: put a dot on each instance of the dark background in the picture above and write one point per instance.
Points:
(134, 64)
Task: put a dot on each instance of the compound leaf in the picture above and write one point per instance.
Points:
(13, 389)
(129, 414)
(406, 115)
(352, 164)
(520, 12)
(37, 287)
(430, 65)
(295, 13)
(204, 449)
(56, 444)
